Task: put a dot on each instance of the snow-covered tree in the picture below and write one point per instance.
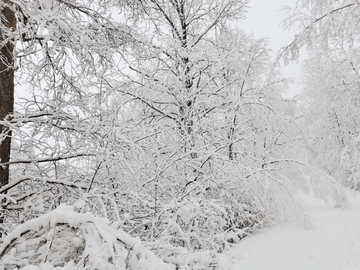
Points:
(330, 104)
(330, 97)
(61, 49)
(322, 24)
(208, 126)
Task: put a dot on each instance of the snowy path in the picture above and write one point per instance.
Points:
(334, 244)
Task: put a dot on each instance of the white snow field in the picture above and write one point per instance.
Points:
(333, 243)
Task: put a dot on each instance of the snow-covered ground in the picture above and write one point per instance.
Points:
(333, 244)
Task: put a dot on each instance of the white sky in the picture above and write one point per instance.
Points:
(264, 20)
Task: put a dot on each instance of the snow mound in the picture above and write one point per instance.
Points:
(68, 240)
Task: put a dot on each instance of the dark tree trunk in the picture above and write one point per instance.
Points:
(7, 24)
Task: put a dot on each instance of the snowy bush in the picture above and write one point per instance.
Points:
(67, 239)
(194, 224)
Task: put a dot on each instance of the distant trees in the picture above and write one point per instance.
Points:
(331, 102)
(331, 83)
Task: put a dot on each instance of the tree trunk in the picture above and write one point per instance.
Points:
(7, 25)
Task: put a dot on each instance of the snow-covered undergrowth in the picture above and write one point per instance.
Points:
(71, 240)
(185, 232)
(68, 239)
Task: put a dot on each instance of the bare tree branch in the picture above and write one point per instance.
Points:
(45, 159)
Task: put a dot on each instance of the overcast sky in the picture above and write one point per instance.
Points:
(264, 20)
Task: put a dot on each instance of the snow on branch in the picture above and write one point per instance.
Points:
(320, 26)
(16, 182)
(41, 160)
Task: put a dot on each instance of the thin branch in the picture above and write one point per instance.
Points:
(307, 28)
(45, 159)
(216, 21)
(330, 13)
(83, 10)
(18, 181)
(167, 18)
(147, 103)
(93, 178)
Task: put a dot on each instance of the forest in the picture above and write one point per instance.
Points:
(154, 134)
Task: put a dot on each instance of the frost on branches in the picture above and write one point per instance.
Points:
(165, 121)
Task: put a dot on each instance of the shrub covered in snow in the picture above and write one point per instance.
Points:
(67, 239)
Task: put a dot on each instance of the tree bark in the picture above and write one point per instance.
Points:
(7, 44)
